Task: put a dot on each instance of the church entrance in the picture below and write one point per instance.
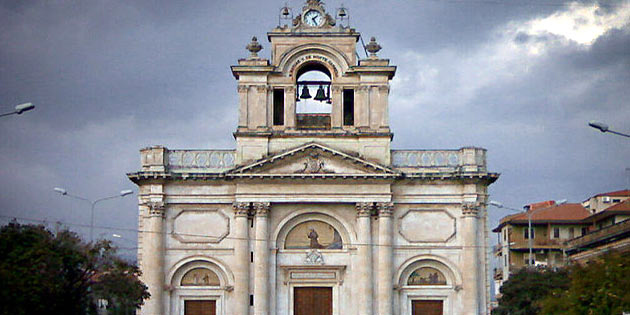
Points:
(207, 307)
(426, 307)
(312, 301)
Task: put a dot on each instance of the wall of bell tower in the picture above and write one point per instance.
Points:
(356, 91)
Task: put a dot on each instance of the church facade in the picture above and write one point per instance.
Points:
(313, 212)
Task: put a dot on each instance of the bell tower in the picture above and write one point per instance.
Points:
(314, 88)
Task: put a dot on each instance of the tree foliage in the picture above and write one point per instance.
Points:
(56, 273)
(522, 292)
(600, 287)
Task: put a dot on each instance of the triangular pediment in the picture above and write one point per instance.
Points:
(313, 160)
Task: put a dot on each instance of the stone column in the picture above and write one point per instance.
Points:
(243, 110)
(470, 257)
(289, 107)
(364, 250)
(337, 107)
(240, 269)
(385, 286)
(261, 259)
(153, 258)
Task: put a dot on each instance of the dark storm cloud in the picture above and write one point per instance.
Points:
(111, 77)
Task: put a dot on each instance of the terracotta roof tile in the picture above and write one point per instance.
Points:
(570, 212)
(618, 193)
(622, 206)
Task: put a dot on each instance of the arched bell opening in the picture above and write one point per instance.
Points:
(314, 99)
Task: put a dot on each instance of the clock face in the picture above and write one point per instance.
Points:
(313, 18)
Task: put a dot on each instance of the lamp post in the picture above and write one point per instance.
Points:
(19, 109)
(529, 221)
(604, 128)
(93, 203)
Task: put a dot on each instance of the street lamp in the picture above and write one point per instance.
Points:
(63, 192)
(604, 128)
(19, 109)
(529, 220)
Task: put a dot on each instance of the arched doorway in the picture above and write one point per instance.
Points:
(198, 287)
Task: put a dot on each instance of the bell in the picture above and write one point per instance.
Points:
(321, 95)
(305, 94)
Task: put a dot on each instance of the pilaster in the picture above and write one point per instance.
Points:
(153, 258)
(241, 255)
(261, 258)
(385, 285)
(364, 250)
(471, 285)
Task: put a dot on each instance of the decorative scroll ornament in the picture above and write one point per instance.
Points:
(364, 209)
(261, 208)
(314, 257)
(241, 208)
(254, 47)
(470, 208)
(313, 165)
(156, 208)
(385, 209)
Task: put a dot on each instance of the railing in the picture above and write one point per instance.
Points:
(610, 231)
(465, 160)
(497, 248)
(200, 160)
(537, 243)
(498, 274)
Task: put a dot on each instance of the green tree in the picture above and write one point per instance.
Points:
(56, 273)
(522, 293)
(600, 287)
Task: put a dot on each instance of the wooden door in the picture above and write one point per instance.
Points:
(200, 307)
(312, 301)
(426, 307)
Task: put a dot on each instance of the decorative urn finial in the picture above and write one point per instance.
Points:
(254, 47)
(373, 47)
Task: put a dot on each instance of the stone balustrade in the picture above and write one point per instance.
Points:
(469, 159)
(203, 161)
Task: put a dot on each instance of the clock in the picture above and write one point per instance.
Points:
(313, 18)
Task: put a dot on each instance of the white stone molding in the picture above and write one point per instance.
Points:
(216, 222)
(470, 208)
(242, 88)
(261, 88)
(314, 257)
(416, 229)
(156, 208)
(291, 60)
(333, 274)
(364, 209)
(383, 88)
(241, 208)
(385, 209)
(261, 208)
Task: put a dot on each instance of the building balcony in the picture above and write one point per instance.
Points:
(498, 274)
(496, 249)
(523, 244)
(602, 236)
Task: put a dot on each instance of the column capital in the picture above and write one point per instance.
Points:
(156, 208)
(290, 89)
(241, 209)
(470, 208)
(385, 209)
(364, 209)
(242, 88)
(261, 208)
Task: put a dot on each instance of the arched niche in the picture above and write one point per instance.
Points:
(327, 56)
(428, 270)
(313, 234)
(183, 274)
(304, 220)
(200, 276)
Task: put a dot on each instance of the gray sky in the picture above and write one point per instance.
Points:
(518, 77)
